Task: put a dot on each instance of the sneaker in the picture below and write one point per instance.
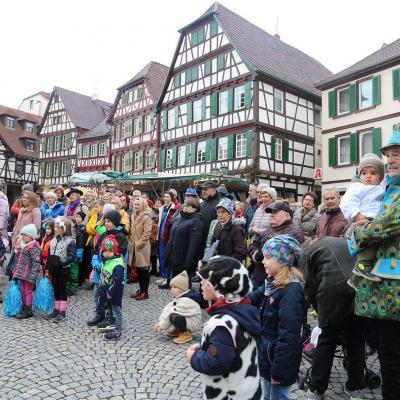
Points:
(97, 318)
(60, 317)
(175, 333)
(160, 281)
(52, 315)
(114, 335)
(354, 394)
(360, 270)
(313, 395)
(107, 328)
(183, 337)
(105, 323)
(351, 284)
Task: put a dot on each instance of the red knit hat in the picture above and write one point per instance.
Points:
(110, 242)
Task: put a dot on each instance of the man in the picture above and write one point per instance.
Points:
(380, 300)
(281, 222)
(332, 222)
(208, 211)
(76, 205)
(251, 205)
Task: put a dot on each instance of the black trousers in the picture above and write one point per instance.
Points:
(178, 321)
(389, 357)
(144, 279)
(60, 286)
(352, 330)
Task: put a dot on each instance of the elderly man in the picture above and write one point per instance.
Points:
(332, 221)
(380, 300)
(75, 204)
(208, 211)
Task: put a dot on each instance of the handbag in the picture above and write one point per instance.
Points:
(134, 274)
(53, 264)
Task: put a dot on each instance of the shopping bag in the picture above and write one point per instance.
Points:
(43, 300)
(13, 300)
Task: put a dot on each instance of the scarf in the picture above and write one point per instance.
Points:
(223, 303)
(72, 207)
(270, 287)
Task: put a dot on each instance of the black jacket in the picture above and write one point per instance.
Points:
(185, 241)
(120, 236)
(209, 213)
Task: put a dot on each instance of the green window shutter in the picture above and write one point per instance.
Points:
(231, 146)
(177, 80)
(187, 154)
(213, 28)
(69, 167)
(353, 97)
(194, 38)
(200, 35)
(192, 153)
(213, 150)
(332, 103)
(285, 150)
(195, 73)
(96, 147)
(249, 143)
(165, 120)
(208, 149)
(221, 62)
(50, 143)
(230, 99)
(189, 112)
(42, 169)
(272, 155)
(152, 157)
(188, 76)
(140, 159)
(128, 128)
(203, 107)
(354, 148)
(140, 124)
(162, 159)
(139, 93)
(332, 151)
(247, 95)
(174, 156)
(44, 144)
(176, 116)
(207, 68)
(376, 90)
(214, 104)
(396, 84)
(377, 141)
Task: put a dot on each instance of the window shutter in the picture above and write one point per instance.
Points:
(188, 76)
(332, 103)
(213, 28)
(247, 95)
(69, 167)
(231, 146)
(332, 151)
(162, 159)
(165, 120)
(176, 116)
(96, 149)
(396, 84)
(128, 128)
(44, 144)
(221, 62)
(230, 99)
(377, 141)
(213, 150)
(42, 169)
(187, 154)
(194, 38)
(140, 124)
(193, 153)
(285, 150)
(174, 156)
(272, 156)
(214, 104)
(376, 90)
(195, 73)
(203, 108)
(139, 93)
(207, 68)
(353, 97)
(208, 149)
(200, 35)
(177, 80)
(189, 112)
(50, 143)
(249, 143)
(140, 160)
(354, 148)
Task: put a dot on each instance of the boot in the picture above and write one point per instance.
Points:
(21, 314)
(184, 337)
(26, 313)
(142, 296)
(52, 315)
(133, 296)
(94, 321)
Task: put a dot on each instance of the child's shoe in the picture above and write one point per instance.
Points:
(363, 271)
(107, 328)
(113, 335)
(26, 313)
(51, 315)
(60, 317)
(106, 322)
(183, 337)
(95, 320)
(175, 333)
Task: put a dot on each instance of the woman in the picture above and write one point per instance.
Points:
(28, 214)
(125, 203)
(89, 197)
(75, 204)
(307, 215)
(125, 220)
(159, 202)
(61, 196)
(51, 208)
(261, 219)
(185, 240)
(139, 240)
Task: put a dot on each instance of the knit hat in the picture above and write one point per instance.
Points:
(108, 207)
(113, 216)
(372, 160)
(283, 248)
(229, 278)
(191, 192)
(110, 243)
(181, 281)
(29, 230)
(271, 191)
(228, 205)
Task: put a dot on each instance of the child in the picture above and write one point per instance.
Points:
(45, 245)
(182, 316)
(62, 255)
(111, 286)
(362, 202)
(80, 238)
(283, 311)
(227, 356)
(28, 267)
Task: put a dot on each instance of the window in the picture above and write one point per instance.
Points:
(207, 68)
(344, 150)
(239, 97)
(223, 148)
(137, 125)
(168, 158)
(125, 99)
(366, 143)
(19, 167)
(148, 159)
(201, 152)
(30, 145)
(48, 170)
(365, 94)
(278, 100)
(57, 142)
(49, 144)
(117, 132)
(343, 96)
(56, 98)
(80, 150)
(223, 102)
(66, 141)
(86, 151)
(198, 36)
(138, 94)
(136, 165)
(56, 169)
(148, 122)
(181, 155)
(103, 149)
(9, 122)
(317, 116)
(278, 149)
(196, 110)
(29, 126)
(171, 118)
(241, 145)
(64, 168)
(31, 104)
(93, 150)
(177, 80)
(191, 74)
(221, 62)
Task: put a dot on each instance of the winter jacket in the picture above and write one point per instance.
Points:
(45, 246)
(112, 280)
(231, 238)
(307, 222)
(185, 239)
(3, 215)
(280, 345)
(227, 358)
(14, 210)
(249, 214)
(80, 238)
(28, 263)
(326, 266)
(65, 248)
(139, 239)
(26, 216)
(125, 219)
(52, 212)
(165, 216)
(261, 218)
(91, 227)
(331, 223)
(209, 213)
(185, 306)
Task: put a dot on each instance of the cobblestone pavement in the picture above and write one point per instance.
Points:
(44, 360)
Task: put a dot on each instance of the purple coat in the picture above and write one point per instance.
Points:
(28, 264)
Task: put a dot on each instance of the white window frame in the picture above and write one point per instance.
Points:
(136, 161)
(56, 143)
(279, 97)
(360, 86)
(171, 118)
(168, 158)
(201, 152)
(64, 168)
(29, 126)
(9, 122)
(239, 97)
(361, 136)
(339, 91)
(223, 148)
(339, 139)
(223, 102)
(86, 151)
(92, 148)
(148, 159)
(117, 132)
(240, 145)
(48, 170)
(147, 123)
(278, 149)
(56, 168)
(197, 110)
(181, 156)
(103, 148)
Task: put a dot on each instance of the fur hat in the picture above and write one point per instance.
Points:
(229, 205)
(113, 216)
(372, 160)
(181, 281)
(29, 230)
(283, 248)
(229, 277)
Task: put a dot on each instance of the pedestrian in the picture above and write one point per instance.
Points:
(77, 273)
(251, 206)
(283, 310)
(267, 195)
(125, 203)
(227, 355)
(4, 214)
(51, 207)
(45, 245)
(76, 204)
(125, 219)
(89, 197)
(191, 192)
(154, 237)
(60, 192)
(307, 215)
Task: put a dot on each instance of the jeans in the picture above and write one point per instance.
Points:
(178, 321)
(117, 313)
(95, 293)
(276, 392)
(164, 271)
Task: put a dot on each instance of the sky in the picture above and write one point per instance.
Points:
(93, 47)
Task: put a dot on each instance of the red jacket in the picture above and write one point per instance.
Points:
(331, 223)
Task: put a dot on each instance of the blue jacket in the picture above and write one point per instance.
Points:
(56, 211)
(280, 345)
(116, 288)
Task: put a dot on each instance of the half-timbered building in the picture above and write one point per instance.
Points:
(134, 121)
(19, 147)
(68, 116)
(240, 100)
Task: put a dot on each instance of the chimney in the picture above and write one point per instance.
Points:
(276, 36)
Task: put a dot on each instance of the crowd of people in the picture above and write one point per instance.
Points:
(341, 257)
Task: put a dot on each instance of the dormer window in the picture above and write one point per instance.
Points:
(30, 144)
(29, 126)
(56, 98)
(9, 122)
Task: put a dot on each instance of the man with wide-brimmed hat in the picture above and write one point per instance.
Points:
(75, 204)
(381, 300)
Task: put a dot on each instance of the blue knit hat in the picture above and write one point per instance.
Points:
(191, 192)
(394, 139)
(229, 205)
(283, 248)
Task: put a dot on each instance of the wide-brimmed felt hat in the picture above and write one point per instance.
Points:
(394, 139)
(74, 190)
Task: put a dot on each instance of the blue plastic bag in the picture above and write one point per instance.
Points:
(43, 300)
(13, 301)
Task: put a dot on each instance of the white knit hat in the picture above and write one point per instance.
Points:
(29, 230)
(271, 191)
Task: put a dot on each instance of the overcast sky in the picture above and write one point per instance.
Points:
(94, 46)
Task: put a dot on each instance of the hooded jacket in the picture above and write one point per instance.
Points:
(112, 280)
(52, 212)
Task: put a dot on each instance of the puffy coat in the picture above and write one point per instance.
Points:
(28, 262)
(54, 212)
(139, 239)
(91, 226)
(307, 222)
(185, 242)
(112, 280)
(331, 223)
(280, 345)
(26, 216)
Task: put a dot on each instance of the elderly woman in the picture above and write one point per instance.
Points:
(52, 207)
(125, 220)
(75, 204)
(139, 240)
(307, 215)
(28, 214)
(260, 222)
